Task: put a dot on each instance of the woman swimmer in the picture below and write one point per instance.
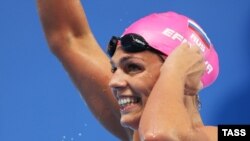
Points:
(153, 93)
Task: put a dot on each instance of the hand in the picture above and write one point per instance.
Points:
(188, 63)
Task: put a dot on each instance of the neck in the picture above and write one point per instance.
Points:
(136, 136)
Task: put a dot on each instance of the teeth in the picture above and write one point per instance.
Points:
(127, 100)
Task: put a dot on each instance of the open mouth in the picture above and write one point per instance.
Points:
(128, 100)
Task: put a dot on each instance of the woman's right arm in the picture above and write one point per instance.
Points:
(71, 40)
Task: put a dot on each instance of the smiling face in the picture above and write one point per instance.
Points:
(134, 75)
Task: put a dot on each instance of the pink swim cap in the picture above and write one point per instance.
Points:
(165, 31)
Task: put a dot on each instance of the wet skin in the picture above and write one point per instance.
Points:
(134, 75)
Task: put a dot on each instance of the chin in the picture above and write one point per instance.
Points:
(130, 121)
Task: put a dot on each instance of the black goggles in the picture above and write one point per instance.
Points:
(130, 43)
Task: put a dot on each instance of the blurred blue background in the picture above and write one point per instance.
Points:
(38, 102)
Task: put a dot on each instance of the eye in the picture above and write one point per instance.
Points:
(133, 68)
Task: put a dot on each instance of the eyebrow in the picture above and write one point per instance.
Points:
(124, 59)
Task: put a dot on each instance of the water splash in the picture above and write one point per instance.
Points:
(79, 134)
(75, 137)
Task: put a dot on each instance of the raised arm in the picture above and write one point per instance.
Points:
(171, 111)
(71, 40)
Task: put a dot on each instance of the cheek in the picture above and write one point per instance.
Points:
(152, 77)
(151, 80)
(145, 83)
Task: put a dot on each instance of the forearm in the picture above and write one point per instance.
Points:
(165, 115)
(62, 19)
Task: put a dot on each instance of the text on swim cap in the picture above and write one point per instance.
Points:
(209, 67)
(177, 36)
(172, 34)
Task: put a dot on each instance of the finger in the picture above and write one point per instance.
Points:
(196, 49)
(185, 45)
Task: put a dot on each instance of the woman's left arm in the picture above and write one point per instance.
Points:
(166, 115)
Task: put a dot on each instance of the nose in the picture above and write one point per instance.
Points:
(118, 80)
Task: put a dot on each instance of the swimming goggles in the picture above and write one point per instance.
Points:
(130, 43)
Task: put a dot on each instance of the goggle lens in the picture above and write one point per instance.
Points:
(130, 43)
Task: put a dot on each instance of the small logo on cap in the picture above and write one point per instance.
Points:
(198, 30)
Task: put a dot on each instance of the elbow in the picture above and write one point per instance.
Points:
(173, 135)
(58, 42)
(158, 136)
